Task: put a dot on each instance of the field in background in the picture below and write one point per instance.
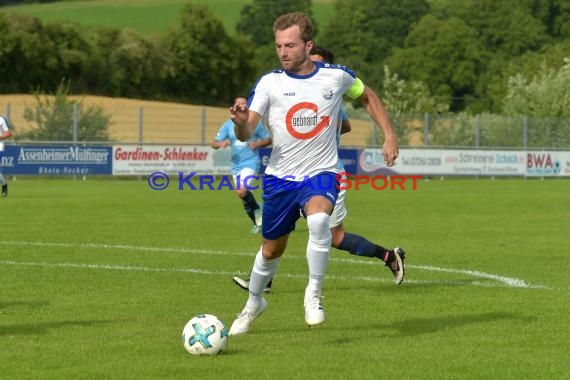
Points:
(99, 277)
(148, 17)
(163, 122)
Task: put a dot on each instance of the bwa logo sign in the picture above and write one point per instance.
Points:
(544, 163)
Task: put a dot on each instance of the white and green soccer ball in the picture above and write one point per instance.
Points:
(205, 334)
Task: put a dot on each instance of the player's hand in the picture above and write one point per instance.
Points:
(224, 144)
(390, 151)
(239, 113)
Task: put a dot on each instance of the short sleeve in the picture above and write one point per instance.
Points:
(223, 133)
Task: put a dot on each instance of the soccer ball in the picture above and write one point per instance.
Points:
(205, 334)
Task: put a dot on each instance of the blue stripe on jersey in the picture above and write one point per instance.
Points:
(337, 66)
(319, 65)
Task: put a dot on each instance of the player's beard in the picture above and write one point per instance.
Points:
(294, 65)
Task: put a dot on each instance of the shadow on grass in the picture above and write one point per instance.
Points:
(43, 327)
(12, 304)
(384, 285)
(420, 326)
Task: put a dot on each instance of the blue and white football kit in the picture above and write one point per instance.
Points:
(303, 124)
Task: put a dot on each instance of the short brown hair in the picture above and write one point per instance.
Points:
(295, 18)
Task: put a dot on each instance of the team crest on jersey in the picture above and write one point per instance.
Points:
(327, 93)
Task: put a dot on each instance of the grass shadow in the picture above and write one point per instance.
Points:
(420, 326)
(43, 327)
(18, 303)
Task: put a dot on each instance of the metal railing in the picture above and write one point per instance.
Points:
(154, 122)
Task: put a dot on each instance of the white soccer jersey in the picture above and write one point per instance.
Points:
(3, 128)
(303, 118)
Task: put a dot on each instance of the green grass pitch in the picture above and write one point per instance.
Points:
(99, 277)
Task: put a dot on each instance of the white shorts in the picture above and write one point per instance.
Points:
(246, 174)
(339, 212)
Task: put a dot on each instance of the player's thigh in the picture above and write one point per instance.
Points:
(339, 212)
(319, 193)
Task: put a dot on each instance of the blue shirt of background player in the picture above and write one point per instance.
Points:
(242, 155)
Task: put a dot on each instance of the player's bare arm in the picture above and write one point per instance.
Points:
(260, 143)
(244, 120)
(6, 134)
(345, 127)
(220, 144)
(377, 111)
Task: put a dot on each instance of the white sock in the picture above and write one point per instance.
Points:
(262, 272)
(318, 248)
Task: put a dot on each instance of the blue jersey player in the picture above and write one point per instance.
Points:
(245, 163)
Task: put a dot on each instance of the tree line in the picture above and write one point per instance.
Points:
(470, 56)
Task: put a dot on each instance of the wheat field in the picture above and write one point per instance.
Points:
(162, 122)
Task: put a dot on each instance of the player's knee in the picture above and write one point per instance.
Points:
(319, 230)
(337, 235)
(273, 249)
(241, 193)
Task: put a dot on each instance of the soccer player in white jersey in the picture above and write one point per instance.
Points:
(355, 244)
(245, 162)
(4, 134)
(303, 101)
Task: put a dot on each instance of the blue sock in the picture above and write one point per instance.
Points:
(250, 205)
(360, 246)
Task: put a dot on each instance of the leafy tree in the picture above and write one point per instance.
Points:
(561, 19)
(363, 33)
(403, 97)
(509, 28)
(500, 69)
(506, 31)
(444, 54)
(256, 19)
(53, 116)
(547, 94)
(137, 66)
(505, 27)
(554, 15)
(24, 49)
(256, 22)
(103, 41)
(406, 102)
(546, 99)
(208, 65)
(71, 56)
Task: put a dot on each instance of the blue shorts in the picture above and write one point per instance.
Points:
(283, 200)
